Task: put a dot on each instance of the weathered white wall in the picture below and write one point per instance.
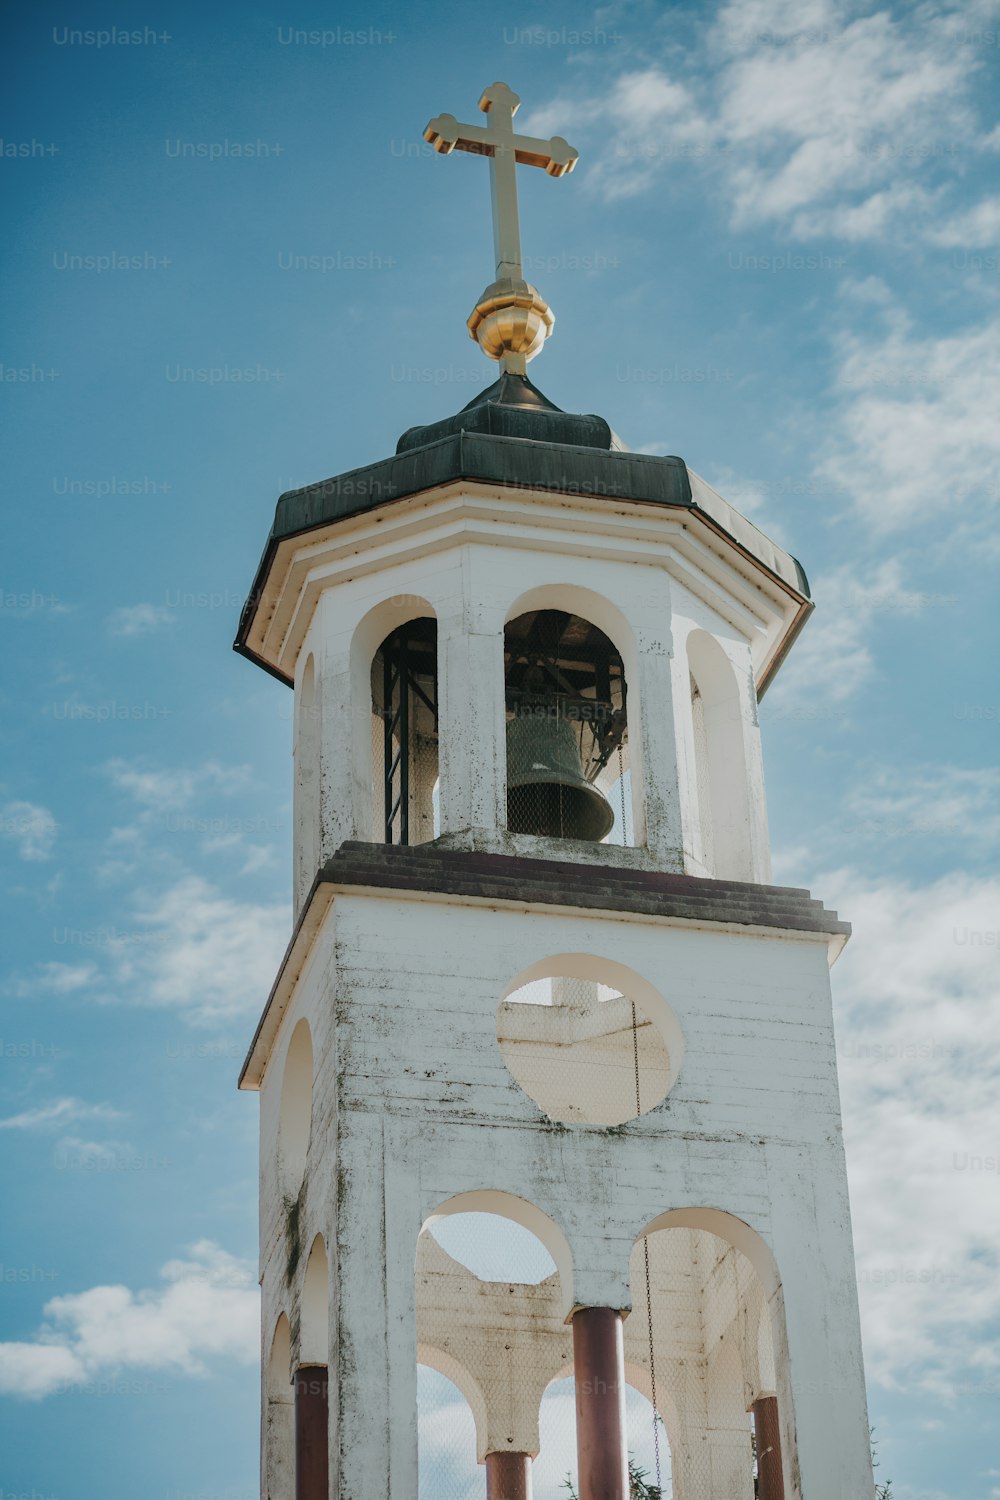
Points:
(413, 1105)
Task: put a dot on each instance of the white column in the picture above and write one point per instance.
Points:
(373, 1371)
(819, 1367)
(658, 820)
(473, 752)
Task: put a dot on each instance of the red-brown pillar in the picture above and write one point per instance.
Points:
(770, 1482)
(599, 1368)
(312, 1465)
(508, 1476)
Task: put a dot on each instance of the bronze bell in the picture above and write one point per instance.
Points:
(547, 792)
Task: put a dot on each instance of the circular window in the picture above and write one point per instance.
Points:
(585, 1052)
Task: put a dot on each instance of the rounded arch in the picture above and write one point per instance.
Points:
(508, 1206)
(381, 620)
(314, 1322)
(278, 1478)
(725, 1226)
(575, 599)
(394, 672)
(698, 1277)
(295, 1109)
(279, 1361)
(721, 791)
(433, 1358)
(596, 688)
(608, 971)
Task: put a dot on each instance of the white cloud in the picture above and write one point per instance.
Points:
(204, 954)
(75, 1149)
(815, 117)
(918, 999)
(59, 1112)
(32, 828)
(833, 658)
(167, 789)
(208, 1309)
(186, 947)
(139, 619)
(916, 434)
(943, 802)
(65, 978)
(977, 227)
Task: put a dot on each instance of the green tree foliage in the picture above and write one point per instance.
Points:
(639, 1487)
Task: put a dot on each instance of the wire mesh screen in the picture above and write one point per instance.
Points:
(567, 728)
(583, 1051)
(405, 735)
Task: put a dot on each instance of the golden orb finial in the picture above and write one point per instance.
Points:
(511, 320)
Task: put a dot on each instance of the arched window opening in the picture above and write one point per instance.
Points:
(295, 1110)
(404, 686)
(491, 1319)
(720, 842)
(279, 1417)
(691, 1344)
(315, 1331)
(567, 726)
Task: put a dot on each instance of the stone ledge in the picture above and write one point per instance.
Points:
(426, 868)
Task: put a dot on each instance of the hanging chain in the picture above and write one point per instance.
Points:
(621, 790)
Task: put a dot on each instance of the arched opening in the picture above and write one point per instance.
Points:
(589, 1040)
(491, 1319)
(720, 841)
(692, 1344)
(279, 1417)
(314, 1328)
(295, 1110)
(306, 796)
(404, 701)
(567, 731)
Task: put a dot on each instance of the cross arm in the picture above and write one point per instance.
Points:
(445, 134)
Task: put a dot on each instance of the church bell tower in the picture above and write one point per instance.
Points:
(539, 969)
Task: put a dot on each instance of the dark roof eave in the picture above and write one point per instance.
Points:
(512, 462)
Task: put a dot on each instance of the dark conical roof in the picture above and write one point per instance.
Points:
(513, 407)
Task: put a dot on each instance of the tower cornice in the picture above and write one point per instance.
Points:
(601, 483)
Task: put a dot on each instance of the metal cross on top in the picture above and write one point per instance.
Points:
(505, 149)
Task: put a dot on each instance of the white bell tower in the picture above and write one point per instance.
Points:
(538, 968)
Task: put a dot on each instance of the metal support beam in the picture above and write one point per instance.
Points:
(311, 1428)
(508, 1476)
(599, 1368)
(770, 1481)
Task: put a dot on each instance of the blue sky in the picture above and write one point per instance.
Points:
(779, 258)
